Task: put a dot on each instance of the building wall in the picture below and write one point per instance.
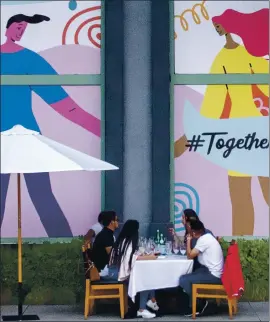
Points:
(68, 41)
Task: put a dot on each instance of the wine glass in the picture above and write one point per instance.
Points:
(142, 246)
(175, 247)
(183, 249)
(148, 248)
(168, 248)
(152, 246)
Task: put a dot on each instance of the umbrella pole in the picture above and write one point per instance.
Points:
(20, 306)
(20, 316)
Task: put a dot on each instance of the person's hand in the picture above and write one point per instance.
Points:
(189, 237)
(147, 257)
(219, 239)
(151, 257)
(172, 231)
(180, 146)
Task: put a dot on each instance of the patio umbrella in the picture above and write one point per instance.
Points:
(26, 151)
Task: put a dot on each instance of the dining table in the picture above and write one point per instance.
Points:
(161, 273)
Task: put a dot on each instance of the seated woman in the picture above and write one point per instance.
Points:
(189, 215)
(123, 257)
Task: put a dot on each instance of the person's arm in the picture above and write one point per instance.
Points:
(108, 243)
(215, 95)
(108, 249)
(59, 100)
(260, 65)
(191, 253)
(174, 235)
(212, 105)
(201, 245)
(73, 112)
(180, 146)
(89, 236)
(146, 257)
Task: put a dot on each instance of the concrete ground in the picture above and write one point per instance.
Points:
(247, 312)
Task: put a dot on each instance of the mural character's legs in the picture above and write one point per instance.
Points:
(264, 183)
(4, 188)
(242, 206)
(48, 209)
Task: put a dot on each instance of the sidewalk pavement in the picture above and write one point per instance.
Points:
(247, 312)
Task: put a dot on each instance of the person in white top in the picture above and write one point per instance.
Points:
(123, 257)
(94, 230)
(210, 256)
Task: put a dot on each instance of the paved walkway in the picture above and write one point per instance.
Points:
(247, 312)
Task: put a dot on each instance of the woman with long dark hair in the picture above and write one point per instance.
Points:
(188, 216)
(123, 257)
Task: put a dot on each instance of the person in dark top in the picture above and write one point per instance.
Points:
(104, 240)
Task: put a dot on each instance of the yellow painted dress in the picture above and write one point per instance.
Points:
(236, 60)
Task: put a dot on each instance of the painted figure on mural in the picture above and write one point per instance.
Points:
(16, 108)
(239, 101)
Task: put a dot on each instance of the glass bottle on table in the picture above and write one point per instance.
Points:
(162, 244)
(157, 240)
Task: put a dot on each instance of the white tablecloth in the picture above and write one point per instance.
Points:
(158, 274)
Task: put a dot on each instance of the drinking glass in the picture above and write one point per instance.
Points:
(168, 248)
(183, 249)
(175, 247)
(142, 246)
(148, 248)
(152, 246)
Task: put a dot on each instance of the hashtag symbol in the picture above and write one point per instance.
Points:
(195, 143)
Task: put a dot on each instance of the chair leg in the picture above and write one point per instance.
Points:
(194, 302)
(230, 305)
(218, 302)
(86, 300)
(91, 306)
(122, 301)
(235, 304)
(126, 298)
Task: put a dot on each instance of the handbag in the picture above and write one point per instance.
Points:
(92, 271)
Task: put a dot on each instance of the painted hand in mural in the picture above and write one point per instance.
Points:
(180, 146)
(15, 60)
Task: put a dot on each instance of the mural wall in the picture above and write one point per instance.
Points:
(52, 37)
(222, 131)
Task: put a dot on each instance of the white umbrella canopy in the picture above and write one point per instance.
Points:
(26, 151)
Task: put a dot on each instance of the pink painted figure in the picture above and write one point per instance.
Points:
(16, 108)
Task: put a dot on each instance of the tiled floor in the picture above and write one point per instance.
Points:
(247, 312)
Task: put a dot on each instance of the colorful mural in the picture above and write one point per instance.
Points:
(36, 39)
(222, 131)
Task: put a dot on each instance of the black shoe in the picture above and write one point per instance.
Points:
(188, 314)
(203, 307)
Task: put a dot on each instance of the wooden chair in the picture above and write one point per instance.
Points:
(210, 291)
(101, 289)
(207, 291)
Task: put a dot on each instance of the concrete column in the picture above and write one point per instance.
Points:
(114, 105)
(137, 113)
(160, 41)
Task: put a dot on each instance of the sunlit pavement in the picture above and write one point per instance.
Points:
(247, 312)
